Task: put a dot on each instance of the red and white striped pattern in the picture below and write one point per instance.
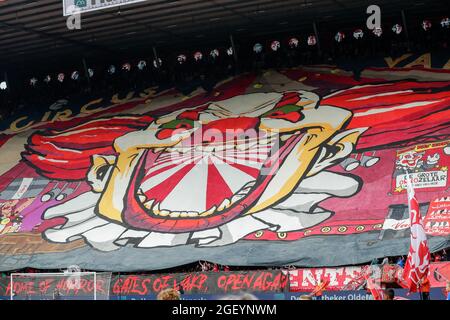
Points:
(199, 179)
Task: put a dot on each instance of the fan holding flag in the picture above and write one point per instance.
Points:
(320, 287)
(415, 273)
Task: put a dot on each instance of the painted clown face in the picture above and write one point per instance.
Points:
(202, 167)
(216, 171)
(409, 159)
(433, 159)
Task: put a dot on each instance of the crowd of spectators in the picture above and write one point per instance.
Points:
(439, 256)
(205, 266)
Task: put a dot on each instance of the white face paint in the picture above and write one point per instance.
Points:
(433, 159)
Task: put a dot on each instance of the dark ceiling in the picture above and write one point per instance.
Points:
(36, 30)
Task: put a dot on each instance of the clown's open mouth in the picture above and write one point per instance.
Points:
(170, 183)
(187, 188)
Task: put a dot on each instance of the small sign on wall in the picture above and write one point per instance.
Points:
(71, 6)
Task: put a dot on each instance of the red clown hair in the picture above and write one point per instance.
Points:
(66, 154)
(393, 113)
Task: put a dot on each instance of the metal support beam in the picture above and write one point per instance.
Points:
(234, 49)
(406, 30)
(155, 55)
(7, 82)
(316, 33)
(86, 73)
(234, 12)
(5, 76)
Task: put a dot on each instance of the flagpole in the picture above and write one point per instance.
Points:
(409, 187)
(413, 273)
(420, 290)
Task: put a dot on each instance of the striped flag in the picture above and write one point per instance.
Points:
(418, 261)
(374, 288)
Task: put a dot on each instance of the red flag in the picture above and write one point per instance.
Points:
(417, 265)
(375, 289)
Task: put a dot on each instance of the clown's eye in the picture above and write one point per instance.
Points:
(60, 197)
(290, 112)
(168, 129)
(48, 196)
(279, 111)
(101, 172)
(276, 113)
(183, 126)
(179, 124)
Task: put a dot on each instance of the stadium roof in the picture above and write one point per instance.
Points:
(36, 29)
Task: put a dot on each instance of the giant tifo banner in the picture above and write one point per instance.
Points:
(302, 166)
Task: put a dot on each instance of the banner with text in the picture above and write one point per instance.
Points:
(151, 284)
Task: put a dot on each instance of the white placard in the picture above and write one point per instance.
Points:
(71, 6)
(425, 179)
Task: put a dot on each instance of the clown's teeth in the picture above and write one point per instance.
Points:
(165, 213)
(142, 198)
(148, 204)
(179, 214)
(237, 197)
(156, 209)
(174, 214)
(209, 212)
(244, 190)
(225, 204)
(158, 149)
(183, 214)
(249, 184)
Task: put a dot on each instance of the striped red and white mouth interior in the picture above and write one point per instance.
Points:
(199, 181)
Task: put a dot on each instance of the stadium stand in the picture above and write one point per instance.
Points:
(281, 162)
